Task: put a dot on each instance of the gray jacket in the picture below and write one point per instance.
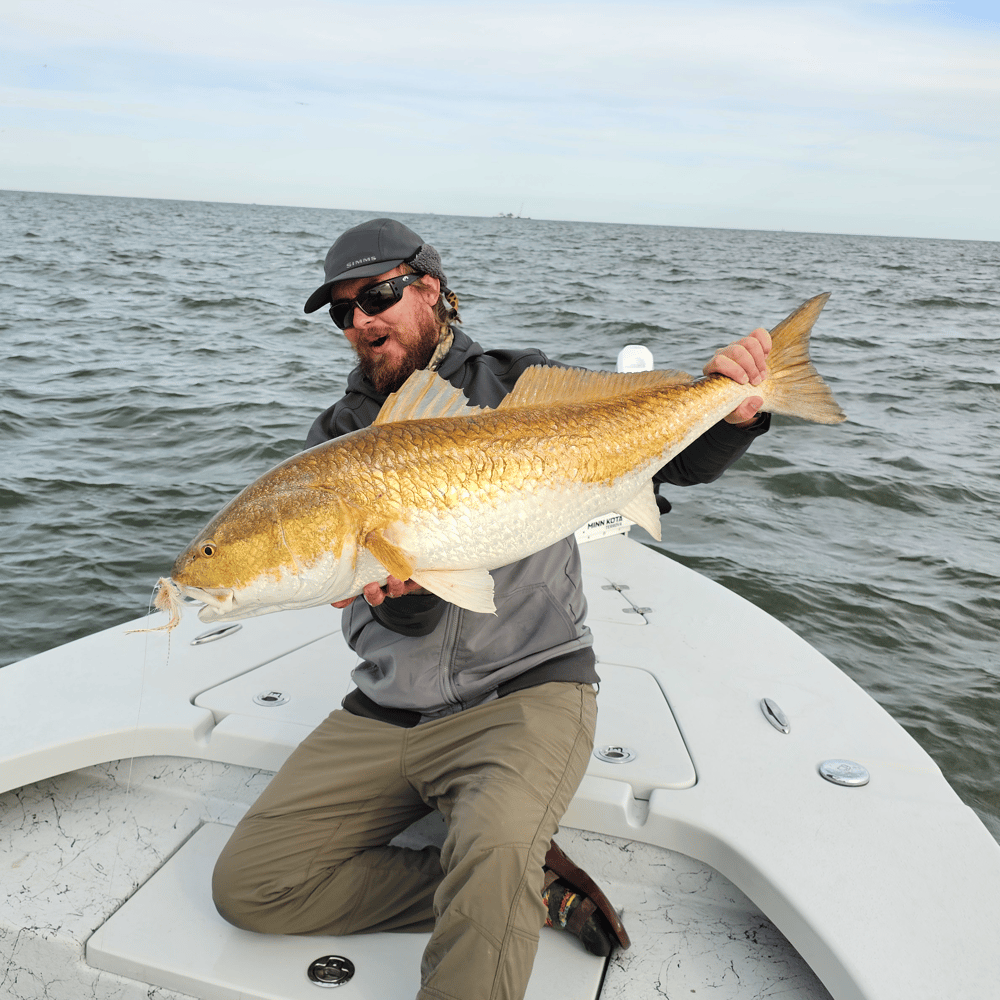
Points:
(422, 657)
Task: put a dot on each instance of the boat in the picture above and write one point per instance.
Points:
(765, 827)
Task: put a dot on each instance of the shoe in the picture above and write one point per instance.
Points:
(574, 902)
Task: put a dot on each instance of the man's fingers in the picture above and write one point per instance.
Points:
(743, 361)
(762, 337)
(725, 364)
(759, 345)
(374, 594)
(745, 412)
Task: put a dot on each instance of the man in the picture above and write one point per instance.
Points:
(489, 719)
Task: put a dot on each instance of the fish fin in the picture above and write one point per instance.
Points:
(467, 588)
(793, 386)
(643, 510)
(542, 385)
(425, 395)
(391, 556)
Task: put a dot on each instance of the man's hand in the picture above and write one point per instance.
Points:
(744, 361)
(375, 595)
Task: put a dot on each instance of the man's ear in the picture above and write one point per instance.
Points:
(429, 288)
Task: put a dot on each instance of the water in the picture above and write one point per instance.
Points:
(157, 360)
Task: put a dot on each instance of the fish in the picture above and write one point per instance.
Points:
(440, 491)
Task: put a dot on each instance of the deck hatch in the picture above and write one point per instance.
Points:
(635, 723)
(170, 935)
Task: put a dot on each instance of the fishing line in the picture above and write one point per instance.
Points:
(134, 741)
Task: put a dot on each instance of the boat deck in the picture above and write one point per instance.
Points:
(702, 818)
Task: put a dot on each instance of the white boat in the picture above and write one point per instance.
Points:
(766, 828)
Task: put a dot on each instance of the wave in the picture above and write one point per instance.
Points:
(948, 302)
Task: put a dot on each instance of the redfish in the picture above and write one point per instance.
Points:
(441, 492)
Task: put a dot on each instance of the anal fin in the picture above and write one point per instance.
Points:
(467, 588)
(643, 510)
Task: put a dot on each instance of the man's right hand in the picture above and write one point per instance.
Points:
(375, 595)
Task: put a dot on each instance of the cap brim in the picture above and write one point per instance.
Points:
(321, 296)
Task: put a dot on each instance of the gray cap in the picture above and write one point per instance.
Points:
(373, 248)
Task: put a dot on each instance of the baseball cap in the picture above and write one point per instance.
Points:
(364, 251)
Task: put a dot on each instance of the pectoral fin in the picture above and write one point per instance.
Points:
(467, 588)
(643, 510)
(391, 556)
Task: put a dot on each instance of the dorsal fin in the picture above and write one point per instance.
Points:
(545, 385)
(424, 395)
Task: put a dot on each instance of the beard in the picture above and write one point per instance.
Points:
(387, 374)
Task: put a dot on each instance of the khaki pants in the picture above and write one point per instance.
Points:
(312, 857)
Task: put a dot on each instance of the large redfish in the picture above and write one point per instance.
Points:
(441, 492)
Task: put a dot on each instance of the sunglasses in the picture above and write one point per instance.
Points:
(371, 300)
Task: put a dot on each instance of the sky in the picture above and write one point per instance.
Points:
(840, 116)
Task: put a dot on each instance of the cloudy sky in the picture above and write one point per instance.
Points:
(836, 116)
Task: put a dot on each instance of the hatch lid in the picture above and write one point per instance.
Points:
(169, 934)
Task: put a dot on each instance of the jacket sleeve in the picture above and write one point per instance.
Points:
(351, 413)
(412, 614)
(706, 458)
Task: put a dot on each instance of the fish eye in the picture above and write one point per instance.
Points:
(208, 549)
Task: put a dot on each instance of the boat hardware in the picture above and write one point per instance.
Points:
(844, 772)
(624, 586)
(615, 755)
(270, 698)
(774, 715)
(216, 633)
(331, 970)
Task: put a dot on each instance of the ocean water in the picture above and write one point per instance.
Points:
(157, 359)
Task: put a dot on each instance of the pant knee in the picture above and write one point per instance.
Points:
(251, 901)
(237, 902)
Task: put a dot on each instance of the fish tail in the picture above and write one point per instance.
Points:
(793, 386)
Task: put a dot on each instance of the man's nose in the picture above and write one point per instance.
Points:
(360, 319)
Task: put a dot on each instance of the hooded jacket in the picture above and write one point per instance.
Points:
(423, 657)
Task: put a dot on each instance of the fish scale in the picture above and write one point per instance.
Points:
(441, 492)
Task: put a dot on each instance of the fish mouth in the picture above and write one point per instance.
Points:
(220, 602)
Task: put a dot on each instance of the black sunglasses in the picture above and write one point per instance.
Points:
(371, 300)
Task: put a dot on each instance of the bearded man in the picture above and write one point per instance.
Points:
(487, 718)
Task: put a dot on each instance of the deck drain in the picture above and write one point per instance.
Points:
(615, 755)
(270, 698)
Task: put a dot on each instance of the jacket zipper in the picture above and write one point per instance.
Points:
(449, 646)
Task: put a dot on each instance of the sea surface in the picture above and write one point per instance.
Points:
(156, 359)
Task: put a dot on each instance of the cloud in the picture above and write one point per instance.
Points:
(670, 104)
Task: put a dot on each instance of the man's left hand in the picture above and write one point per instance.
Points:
(744, 361)
(375, 595)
